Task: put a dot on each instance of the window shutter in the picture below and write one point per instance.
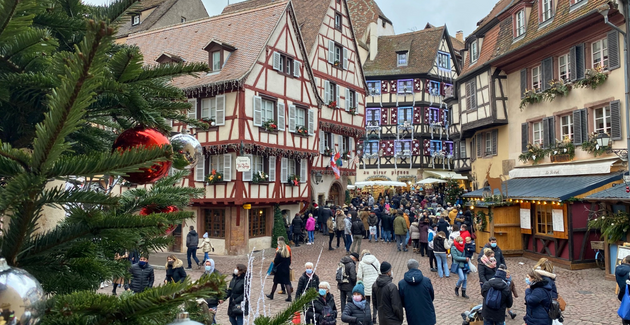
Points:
(347, 101)
(580, 62)
(311, 122)
(523, 82)
(495, 141)
(356, 101)
(584, 113)
(276, 60)
(205, 107)
(350, 145)
(615, 116)
(345, 58)
(338, 93)
(247, 176)
(192, 112)
(321, 141)
(331, 51)
(524, 136)
(291, 118)
(296, 68)
(473, 93)
(547, 72)
(468, 95)
(284, 165)
(281, 119)
(220, 100)
(200, 169)
(227, 167)
(551, 121)
(613, 50)
(342, 144)
(479, 143)
(272, 168)
(577, 127)
(327, 92)
(303, 170)
(545, 125)
(257, 111)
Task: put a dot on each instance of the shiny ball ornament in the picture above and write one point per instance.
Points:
(154, 209)
(187, 151)
(20, 296)
(147, 138)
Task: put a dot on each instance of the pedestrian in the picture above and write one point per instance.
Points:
(346, 277)
(487, 266)
(387, 298)
(423, 238)
(537, 300)
(174, 269)
(400, 230)
(372, 223)
(341, 227)
(282, 266)
(469, 248)
(513, 291)
(119, 281)
(368, 271)
(357, 234)
(206, 247)
(323, 309)
(310, 227)
(347, 233)
(497, 297)
(454, 234)
(440, 247)
(622, 274)
(142, 275)
(298, 225)
(463, 231)
(431, 237)
(364, 216)
(323, 215)
(331, 225)
(544, 268)
(192, 243)
(211, 301)
(443, 226)
(498, 254)
(416, 295)
(358, 311)
(387, 225)
(414, 230)
(236, 295)
(307, 281)
(459, 265)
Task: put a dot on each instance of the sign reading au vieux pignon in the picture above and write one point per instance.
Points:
(243, 164)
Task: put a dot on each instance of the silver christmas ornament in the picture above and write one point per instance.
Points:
(20, 296)
(187, 151)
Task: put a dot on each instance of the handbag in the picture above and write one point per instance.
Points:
(237, 310)
(271, 270)
(624, 308)
(563, 304)
(291, 275)
(454, 267)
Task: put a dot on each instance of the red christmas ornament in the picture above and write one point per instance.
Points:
(153, 209)
(147, 138)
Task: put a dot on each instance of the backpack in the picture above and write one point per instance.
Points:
(327, 317)
(341, 275)
(493, 298)
(554, 311)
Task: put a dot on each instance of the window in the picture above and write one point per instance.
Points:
(536, 78)
(434, 115)
(564, 68)
(544, 220)
(374, 87)
(600, 53)
(547, 10)
(300, 117)
(520, 23)
(474, 51)
(575, 2)
(214, 222)
(488, 138)
(602, 120)
(405, 115)
(537, 133)
(293, 167)
(135, 20)
(371, 148)
(330, 92)
(444, 60)
(192, 112)
(182, 19)
(462, 149)
(338, 54)
(288, 66)
(402, 59)
(216, 61)
(258, 223)
(405, 86)
(338, 21)
(328, 144)
(373, 116)
(436, 146)
(403, 147)
(258, 164)
(213, 108)
(566, 127)
(268, 108)
(345, 144)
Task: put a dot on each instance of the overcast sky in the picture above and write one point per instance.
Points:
(407, 15)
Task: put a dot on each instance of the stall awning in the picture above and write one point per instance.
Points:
(573, 169)
(431, 181)
(381, 183)
(615, 193)
(445, 174)
(546, 188)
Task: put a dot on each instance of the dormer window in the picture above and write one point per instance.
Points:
(519, 23)
(546, 10)
(402, 58)
(166, 57)
(474, 51)
(338, 21)
(218, 53)
(216, 61)
(183, 19)
(135, 20)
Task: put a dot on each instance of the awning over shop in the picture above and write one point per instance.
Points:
(615, 193)
(431, 181)
(545, 188)
(379, 183)
(445, 174)
(573, 169)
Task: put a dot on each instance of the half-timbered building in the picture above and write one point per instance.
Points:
(260, 102)
(408, 118)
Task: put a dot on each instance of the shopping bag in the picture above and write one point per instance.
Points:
(270, 270)
(556, 322)
(472, 267)
(624, 308)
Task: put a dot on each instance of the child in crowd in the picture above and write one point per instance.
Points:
(513, 292)
(469, 250)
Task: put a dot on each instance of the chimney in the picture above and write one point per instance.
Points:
(373, 42)
(460, 36)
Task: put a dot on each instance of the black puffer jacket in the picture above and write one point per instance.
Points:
(319, 304)
(496, 315)
(141, 277)
(236, 293)
(387, 300)
(175, 273)
(353, 314)
(298, 225)
(302, 287)
(357, 227)
(485, 273)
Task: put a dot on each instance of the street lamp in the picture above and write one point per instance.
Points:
(318, 178)
(603, 140)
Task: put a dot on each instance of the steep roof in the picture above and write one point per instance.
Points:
(486, 54)
(498, 8)
(161, 7)
(249, 39)
(457, 44)
(422, 46)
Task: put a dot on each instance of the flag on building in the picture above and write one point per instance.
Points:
(333, 165)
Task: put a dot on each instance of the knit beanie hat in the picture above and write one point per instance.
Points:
(500, 273)
(359, 288)
(385, 267)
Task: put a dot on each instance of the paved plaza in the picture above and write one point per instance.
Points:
(590, 298)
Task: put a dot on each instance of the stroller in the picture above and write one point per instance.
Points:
(472, 315)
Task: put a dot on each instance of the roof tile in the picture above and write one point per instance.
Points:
(362, 13)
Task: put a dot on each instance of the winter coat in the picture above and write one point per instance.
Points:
(353, 213)
(206, 245)
(414, 230)
(496, 315)
(298, 224)
(387, 301)
(443, 225)
(192, 239)
(498, 254)
(341, 223)
(348, 226)
(458, 257)
(424, 232)
(357, 228)
(351, 272)
(353, 314)
(416, 295)
(386, 222)
(537, 302)
(551, 278)
(485, 273)
(440, 244)
(213, 301)
(372, 220)
(621, 275)
(371, 201)
(330, 224)
(310, 224)
(141, 277)
(400, 226)
(283, 266)
(364, 216)
(431, 238)
(318, 305)
(368, 270)
(324, 213)
(236, 293)
(302, 287)
(175, 273)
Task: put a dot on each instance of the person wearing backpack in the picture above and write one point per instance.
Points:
(440, 247)
(346, 277)
(497, 297)
(538, 300)
(323, 309)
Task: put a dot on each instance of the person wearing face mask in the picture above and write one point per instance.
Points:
(236, 295)
(357, 312)
(174, 269)
(142, 275)
(487, 267)
(323, 310)
(459, 263)
(308, 280)
(387, 298)
(368, 270)
(212, 301)
(498, 283)
(537, 300)
(498, 254)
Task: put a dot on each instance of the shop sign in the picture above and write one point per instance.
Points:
(247, 206)
(243, 164)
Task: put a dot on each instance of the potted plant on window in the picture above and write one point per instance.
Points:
(294, 180)
(591, 146)
(336, 63)
(332, 104)
(535, 153)
(556, 88)
(593, 78)
(531, 96)
(563, 151)
(210, 121)
(270, 126)
(352, 111)
(260, 177)
(214, 177)
(301, 130)
(327, 152)
(346, 156)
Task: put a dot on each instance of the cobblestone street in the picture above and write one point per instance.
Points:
(590, 299)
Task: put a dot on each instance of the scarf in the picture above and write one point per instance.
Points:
(486, 261)
(460, 247)
(360, 304)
